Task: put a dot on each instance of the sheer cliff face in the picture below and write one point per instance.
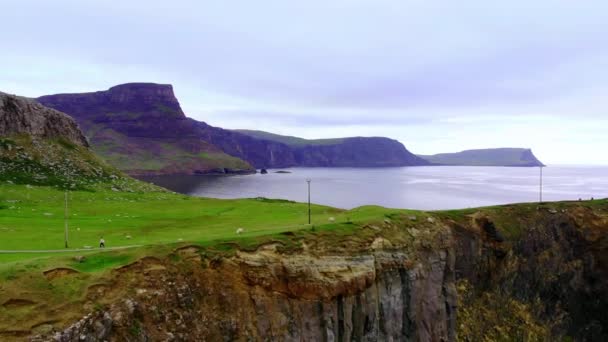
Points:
(382, 295)
(557, 264)
(131, 122)
(19, 115)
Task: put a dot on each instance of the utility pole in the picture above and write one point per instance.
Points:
(541, 184)
(65, 219)
(308, 181)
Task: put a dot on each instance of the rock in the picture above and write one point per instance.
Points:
(19, 115)
(430, 220)
(412, 218)
(263, 171)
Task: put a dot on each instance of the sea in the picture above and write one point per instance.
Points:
(419, 187)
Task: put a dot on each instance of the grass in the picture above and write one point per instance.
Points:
(32, 218)
(153, 155)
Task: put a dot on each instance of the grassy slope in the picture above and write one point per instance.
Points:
(482, 157)
(289, 140)
(141, 155)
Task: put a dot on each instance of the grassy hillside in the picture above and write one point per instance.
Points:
(156, 156)
(289, 140)
(58, 163)
(486, 157)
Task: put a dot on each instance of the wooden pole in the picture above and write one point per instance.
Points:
(65, 219)
(308, 181)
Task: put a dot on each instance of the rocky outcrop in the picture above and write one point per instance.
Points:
(261, 296)
(555, 262)
(19, 115)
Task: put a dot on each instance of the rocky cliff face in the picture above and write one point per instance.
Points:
(556, 262)
(509, 273)
(19, 115)
(132, 123)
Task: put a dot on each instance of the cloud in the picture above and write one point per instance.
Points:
(405, 69)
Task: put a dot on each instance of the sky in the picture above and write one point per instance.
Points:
(439, 76)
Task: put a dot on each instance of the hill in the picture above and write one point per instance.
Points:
(141, 129)
(41, 146)
(486, 157)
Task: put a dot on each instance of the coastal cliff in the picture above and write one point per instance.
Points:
(520, 272)
(141, 129)
(522, 157)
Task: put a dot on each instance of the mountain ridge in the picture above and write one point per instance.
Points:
(141, 128)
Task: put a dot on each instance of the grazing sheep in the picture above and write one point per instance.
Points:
(240, 231)
(331, 219)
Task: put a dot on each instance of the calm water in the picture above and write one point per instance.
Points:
(435, 187)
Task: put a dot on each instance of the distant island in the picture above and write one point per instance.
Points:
(486, 157)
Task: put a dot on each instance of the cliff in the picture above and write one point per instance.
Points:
(19, 115)
(342, 152)
(486, 157)
(141, 128)
(41, 146)
(518, 272)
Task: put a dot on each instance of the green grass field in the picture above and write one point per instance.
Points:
(32, 218)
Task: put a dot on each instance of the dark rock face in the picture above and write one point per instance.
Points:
(136, 119)
(19, 115)
(559, 264)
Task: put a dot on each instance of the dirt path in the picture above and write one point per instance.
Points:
(4, 251)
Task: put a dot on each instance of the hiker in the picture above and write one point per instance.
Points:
(102, 243)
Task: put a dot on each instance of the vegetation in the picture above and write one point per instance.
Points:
(32, 218)
(144, 155)
(289, 140)
(486, 157)
(59, 163)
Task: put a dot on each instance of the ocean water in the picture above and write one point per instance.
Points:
(422, 187)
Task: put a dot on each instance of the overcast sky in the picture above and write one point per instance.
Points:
(440, 76)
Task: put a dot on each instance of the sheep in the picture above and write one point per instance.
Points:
(240, 231)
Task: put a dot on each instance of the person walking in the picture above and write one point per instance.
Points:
(102, 243)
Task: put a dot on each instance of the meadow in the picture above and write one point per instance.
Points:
(32, 219)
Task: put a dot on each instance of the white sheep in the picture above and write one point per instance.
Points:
(240, 231)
